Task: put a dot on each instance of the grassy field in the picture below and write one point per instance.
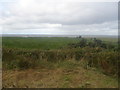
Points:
(37, 42)
(44, 42)
(59, 62)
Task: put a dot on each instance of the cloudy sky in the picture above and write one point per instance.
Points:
(58, 17)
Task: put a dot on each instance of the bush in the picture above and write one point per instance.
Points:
(24, 64)
(79, 55)
(106, 60)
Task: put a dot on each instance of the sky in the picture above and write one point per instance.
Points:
(58, 17)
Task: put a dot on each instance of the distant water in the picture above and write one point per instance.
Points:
(39, 35)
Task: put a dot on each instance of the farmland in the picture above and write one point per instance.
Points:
(37, 42)
(43, 42)
(60, 62)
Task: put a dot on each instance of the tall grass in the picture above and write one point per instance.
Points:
(23, 59)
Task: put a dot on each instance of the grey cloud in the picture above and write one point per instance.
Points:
(65, 17)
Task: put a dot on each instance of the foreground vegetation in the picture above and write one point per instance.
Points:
(74, 62)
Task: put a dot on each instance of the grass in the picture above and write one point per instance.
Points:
(44, 43)
(49, 63)
(109, 39)
(57, 78)
(112, 40)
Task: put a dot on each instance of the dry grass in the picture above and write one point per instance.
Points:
(57, 78)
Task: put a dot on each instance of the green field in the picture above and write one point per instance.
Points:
(59, 62)
(44, 42)
(37, 42)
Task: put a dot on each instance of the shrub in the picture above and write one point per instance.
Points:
(79, 55)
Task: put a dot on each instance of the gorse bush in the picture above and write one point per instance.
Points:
(106, 60)
(25, 64)
(92, 43)
(19, 63)
(79, 55)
